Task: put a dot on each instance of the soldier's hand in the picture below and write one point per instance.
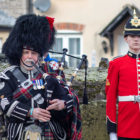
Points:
(41, 114)
(56, 104)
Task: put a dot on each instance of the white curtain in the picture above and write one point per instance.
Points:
(74, 49)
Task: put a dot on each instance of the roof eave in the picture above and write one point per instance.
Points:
(116, 21)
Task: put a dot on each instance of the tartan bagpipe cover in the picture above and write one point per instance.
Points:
(72, 122)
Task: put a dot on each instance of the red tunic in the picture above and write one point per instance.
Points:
(123, 80)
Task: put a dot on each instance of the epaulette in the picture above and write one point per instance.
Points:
(11, 68)
(117, 57)
(3, 74)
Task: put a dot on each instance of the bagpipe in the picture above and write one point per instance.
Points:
(52, 85)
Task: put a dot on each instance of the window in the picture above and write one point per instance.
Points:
(73, 42)
(122, 46)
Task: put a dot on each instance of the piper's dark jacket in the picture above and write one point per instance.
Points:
(18, 95)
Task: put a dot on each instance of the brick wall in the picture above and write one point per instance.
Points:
(69, 26)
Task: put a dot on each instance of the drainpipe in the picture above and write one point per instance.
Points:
(29, 6)
(111, 40)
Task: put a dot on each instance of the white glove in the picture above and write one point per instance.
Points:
(113, 136)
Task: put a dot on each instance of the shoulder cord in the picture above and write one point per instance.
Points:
(60, 135)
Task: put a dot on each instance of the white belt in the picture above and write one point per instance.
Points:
(129, 98)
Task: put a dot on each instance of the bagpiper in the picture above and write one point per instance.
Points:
(35, 104)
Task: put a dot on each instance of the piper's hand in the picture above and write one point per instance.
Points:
(41, 114)
(56, 104)
(113, 136)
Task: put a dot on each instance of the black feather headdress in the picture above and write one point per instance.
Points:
(29, 30)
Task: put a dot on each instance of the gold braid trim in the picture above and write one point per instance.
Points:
(133, 29)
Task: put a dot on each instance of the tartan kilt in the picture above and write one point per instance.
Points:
(48, 135)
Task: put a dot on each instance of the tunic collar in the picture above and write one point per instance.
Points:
(30, 74)
(27, 71)
(133, 55)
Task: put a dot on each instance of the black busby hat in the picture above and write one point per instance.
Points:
(31, 32)
(132, 26)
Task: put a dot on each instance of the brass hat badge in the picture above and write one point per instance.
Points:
(135, 21)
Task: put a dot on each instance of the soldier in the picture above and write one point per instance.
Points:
(123, 84)
(35, 109)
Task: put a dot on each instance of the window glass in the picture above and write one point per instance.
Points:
(58, 45)
(74, 46)
(74, 49)
(72, 42)
(122, 46)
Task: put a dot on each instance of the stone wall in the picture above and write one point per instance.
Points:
(93, 114)
(93, 121)
(13, 8)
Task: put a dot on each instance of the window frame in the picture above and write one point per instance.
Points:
(66, 35)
